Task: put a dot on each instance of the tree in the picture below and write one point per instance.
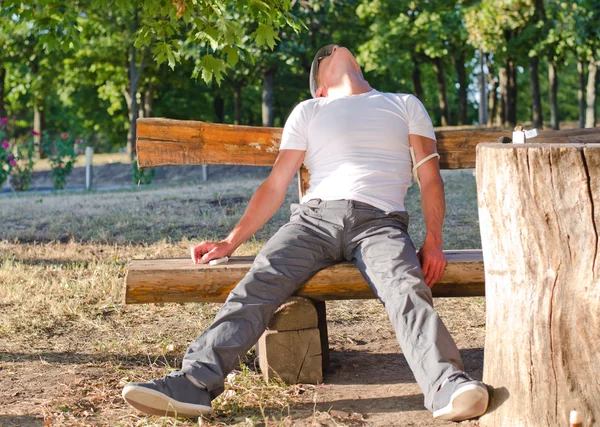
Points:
(500, 30)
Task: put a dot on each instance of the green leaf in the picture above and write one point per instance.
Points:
(212, 67)
(265, 34)
(232, 55)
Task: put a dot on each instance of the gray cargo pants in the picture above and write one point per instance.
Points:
(320, 234)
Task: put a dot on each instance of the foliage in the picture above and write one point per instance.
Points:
(6, 158)
(22, 161)
(62, 151)
(141, 176)
(71, 61)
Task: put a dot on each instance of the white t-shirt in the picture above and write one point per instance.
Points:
(357, 146)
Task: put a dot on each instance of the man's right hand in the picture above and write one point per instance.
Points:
(206, 251)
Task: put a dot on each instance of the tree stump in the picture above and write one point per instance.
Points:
(539, 213)
(291, 347)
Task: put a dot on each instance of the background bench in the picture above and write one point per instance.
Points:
(288, 348)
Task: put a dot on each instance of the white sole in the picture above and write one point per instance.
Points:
(153, 402)
(468, 402)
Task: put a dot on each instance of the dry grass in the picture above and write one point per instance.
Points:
(148, 215)
(97, 160)
(63, 261)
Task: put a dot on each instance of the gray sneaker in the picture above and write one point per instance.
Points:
(172, 396)
(460, 398)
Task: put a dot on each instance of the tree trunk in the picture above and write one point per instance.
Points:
(148, 105)
(39, 120)
(503, 105)
(590, 114)
(134, 74)
(219, 108)
(2, 91)
(441, 85)
(267, 96)
(581, 91)
(539, 221)
(492, 97)
(536, 98)
(482, 93)
(553, 80)
(237, 102)
(459, 65)
(511, 92)
(416, 78)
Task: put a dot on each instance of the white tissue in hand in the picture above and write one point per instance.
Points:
(218, 261)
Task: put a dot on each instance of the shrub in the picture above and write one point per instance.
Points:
(141, 176)
(6, 157)
(21, 161)
(62, 152)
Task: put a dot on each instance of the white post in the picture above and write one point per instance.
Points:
(204, 173)
(89, 152)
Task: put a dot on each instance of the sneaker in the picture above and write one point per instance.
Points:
(460, 398)
(172, 396)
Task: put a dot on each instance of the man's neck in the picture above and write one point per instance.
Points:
(351, 83)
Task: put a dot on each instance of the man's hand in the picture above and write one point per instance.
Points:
(207, 251)
(433, 262)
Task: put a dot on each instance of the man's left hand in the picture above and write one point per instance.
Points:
(433, 262)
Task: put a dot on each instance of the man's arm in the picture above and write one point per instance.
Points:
(263, 205)
(433, 260)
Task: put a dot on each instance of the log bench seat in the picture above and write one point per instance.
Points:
(295, 346)
(180, 280)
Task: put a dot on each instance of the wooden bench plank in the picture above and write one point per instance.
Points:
(183, 142)
(178, 280)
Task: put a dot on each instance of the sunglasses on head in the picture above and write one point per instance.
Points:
(324, 52)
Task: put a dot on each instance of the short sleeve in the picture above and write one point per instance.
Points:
(295, 131)
(419, 122)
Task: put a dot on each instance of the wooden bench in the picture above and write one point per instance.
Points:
(172, 142)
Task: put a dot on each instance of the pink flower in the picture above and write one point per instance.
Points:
(64, 135)
(10, 157)
(13, 162)
(5, 144)
(80, 151)
(80, 141)
(34, 132)
(4, 120)
(59, 166)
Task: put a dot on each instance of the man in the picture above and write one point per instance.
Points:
(355, 142)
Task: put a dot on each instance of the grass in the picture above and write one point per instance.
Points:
(147, 215)
(63, 259)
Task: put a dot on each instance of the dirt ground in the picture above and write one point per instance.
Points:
(68, 368)
(59, 379)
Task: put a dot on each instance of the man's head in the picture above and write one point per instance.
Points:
(330, 64)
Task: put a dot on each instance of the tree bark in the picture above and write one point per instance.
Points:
(539, 221)
(536, 98)
(459, 65)
(553, 80)
(441, 85)
(590, 114)
(416, 78)
(267, 96)
(503, 105)
(2, 91)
